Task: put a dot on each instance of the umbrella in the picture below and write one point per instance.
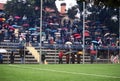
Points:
(32, 29)
(107, 34)
(113, 34)
(53, 30)
(11, 27)
(87, 39)
(78, 37)
(86, 26)
(43, 33)
(25, 25)
(16, 26)
(55, 24)
(68, 42)
(68, 52)
(35, 34)
(95, 42)
(98, 30)
(77, 42)
(76, 34)
(3, 51)
(2, 19)
(17, 17)
(48, 29)
(87, 33)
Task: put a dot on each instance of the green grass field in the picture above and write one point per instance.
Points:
(60, 72)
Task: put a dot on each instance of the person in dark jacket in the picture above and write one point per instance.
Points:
(27, 37)
(12, 56)
(43, 58)
(1, 58)
(21, 52)
(72, 58)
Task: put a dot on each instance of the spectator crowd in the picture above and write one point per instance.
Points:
(55, 30)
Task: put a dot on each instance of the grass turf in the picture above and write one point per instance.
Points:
(60, 72)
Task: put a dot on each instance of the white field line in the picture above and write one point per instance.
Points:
(58, 71)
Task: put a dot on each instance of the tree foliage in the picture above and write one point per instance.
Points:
(104, 10)
(72, 12)
(49, 3)
(20, 8)
(109, 3)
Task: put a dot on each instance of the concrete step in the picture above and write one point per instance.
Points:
(34, 52)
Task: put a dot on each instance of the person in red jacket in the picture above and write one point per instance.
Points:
(60, 57)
